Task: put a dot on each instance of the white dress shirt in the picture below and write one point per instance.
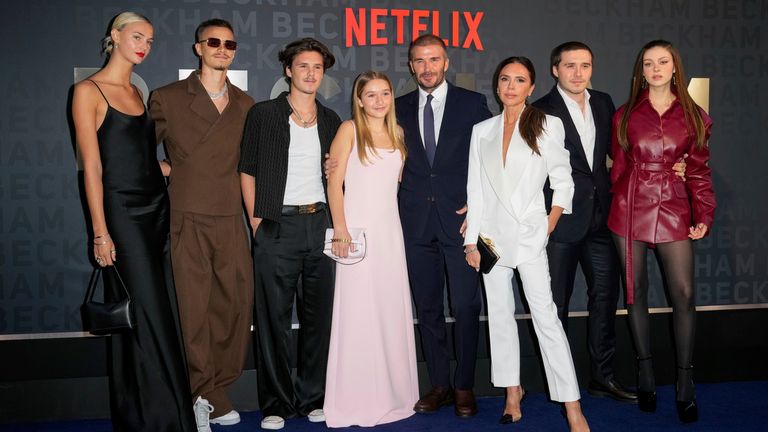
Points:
(439, 95)
(584, 122)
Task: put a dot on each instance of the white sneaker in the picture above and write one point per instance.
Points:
(316, 416)
(228, 419)
(203, 411)
(272, 423)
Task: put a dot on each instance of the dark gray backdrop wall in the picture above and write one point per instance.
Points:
(44, 246)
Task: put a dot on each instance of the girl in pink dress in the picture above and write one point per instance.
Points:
(371, 377)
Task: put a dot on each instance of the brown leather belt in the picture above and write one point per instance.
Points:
(290, 210)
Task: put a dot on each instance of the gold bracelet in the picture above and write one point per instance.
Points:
(339, 240)
(105, 237)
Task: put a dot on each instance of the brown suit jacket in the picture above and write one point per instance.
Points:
(203, 145)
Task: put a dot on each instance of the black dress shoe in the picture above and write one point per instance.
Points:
(646, 401)
(612, 389)
(687, 411)
(436, 398)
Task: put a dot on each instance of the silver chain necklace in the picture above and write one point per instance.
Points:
(305, 124)
(218, 95)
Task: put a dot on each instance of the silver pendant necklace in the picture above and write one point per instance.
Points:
(305, 124)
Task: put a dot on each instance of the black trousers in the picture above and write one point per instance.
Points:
(597, 256)
(285, 253)
(430, 257)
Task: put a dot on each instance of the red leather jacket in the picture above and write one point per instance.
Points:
(663, 206)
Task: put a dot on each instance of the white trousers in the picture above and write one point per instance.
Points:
(505, 342)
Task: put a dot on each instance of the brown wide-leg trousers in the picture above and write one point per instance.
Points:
(213, 272)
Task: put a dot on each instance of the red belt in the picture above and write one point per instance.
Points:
(629, 272)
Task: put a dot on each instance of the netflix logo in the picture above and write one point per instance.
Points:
(385, 26)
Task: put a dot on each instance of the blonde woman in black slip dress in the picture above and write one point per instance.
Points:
(128, 205)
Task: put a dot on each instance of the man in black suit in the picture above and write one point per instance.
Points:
(285, 195)
(583, 237)
(437, 120)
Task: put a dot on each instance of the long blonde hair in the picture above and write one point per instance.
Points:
(693, 119)
(362, 131)
(118, 23)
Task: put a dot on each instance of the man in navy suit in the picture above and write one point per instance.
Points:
(583, 237)
(437, 120)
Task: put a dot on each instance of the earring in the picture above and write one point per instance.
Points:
(673, 79)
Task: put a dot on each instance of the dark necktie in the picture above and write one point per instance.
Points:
(430, 145)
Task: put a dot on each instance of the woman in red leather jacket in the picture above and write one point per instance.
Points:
(652, 207)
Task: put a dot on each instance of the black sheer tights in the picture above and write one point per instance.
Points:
(677, 260)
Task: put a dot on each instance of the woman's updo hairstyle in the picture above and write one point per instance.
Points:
(118, 23)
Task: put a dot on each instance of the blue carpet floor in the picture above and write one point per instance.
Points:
(738, 406)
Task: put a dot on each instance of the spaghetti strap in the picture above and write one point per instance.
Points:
(102, 93)
(137, 93)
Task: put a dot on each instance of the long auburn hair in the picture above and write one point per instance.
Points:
(532, 119)
(362, 131)
(693, 119)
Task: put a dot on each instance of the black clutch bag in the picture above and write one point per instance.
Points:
(488, 254)
(107, 318)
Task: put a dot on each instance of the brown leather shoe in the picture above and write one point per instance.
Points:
(436, 398)
(612, 389)
(466, 406)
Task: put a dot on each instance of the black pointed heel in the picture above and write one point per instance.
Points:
(509, 418)
(687, 411)
(646, 400)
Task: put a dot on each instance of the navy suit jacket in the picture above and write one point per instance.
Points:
(445, 182)
(590, 184)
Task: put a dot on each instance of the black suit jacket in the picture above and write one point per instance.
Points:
(590, 184)
(264, 150)
(445, 182)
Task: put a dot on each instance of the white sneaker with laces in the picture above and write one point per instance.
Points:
(316, 416)
(228, 419)
(203, 411)
(272, 423)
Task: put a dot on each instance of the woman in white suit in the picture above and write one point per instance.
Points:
(511, 157)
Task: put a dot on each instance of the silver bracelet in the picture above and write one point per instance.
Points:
(467, 252)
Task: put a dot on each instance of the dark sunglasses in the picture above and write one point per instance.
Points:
(216, 42)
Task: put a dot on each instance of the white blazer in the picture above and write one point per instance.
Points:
(506, 203)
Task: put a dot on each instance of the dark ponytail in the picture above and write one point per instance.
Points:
(532, 119)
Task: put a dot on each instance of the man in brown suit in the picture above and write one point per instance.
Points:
(200, 119)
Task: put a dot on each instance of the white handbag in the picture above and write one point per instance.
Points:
(356, 252)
